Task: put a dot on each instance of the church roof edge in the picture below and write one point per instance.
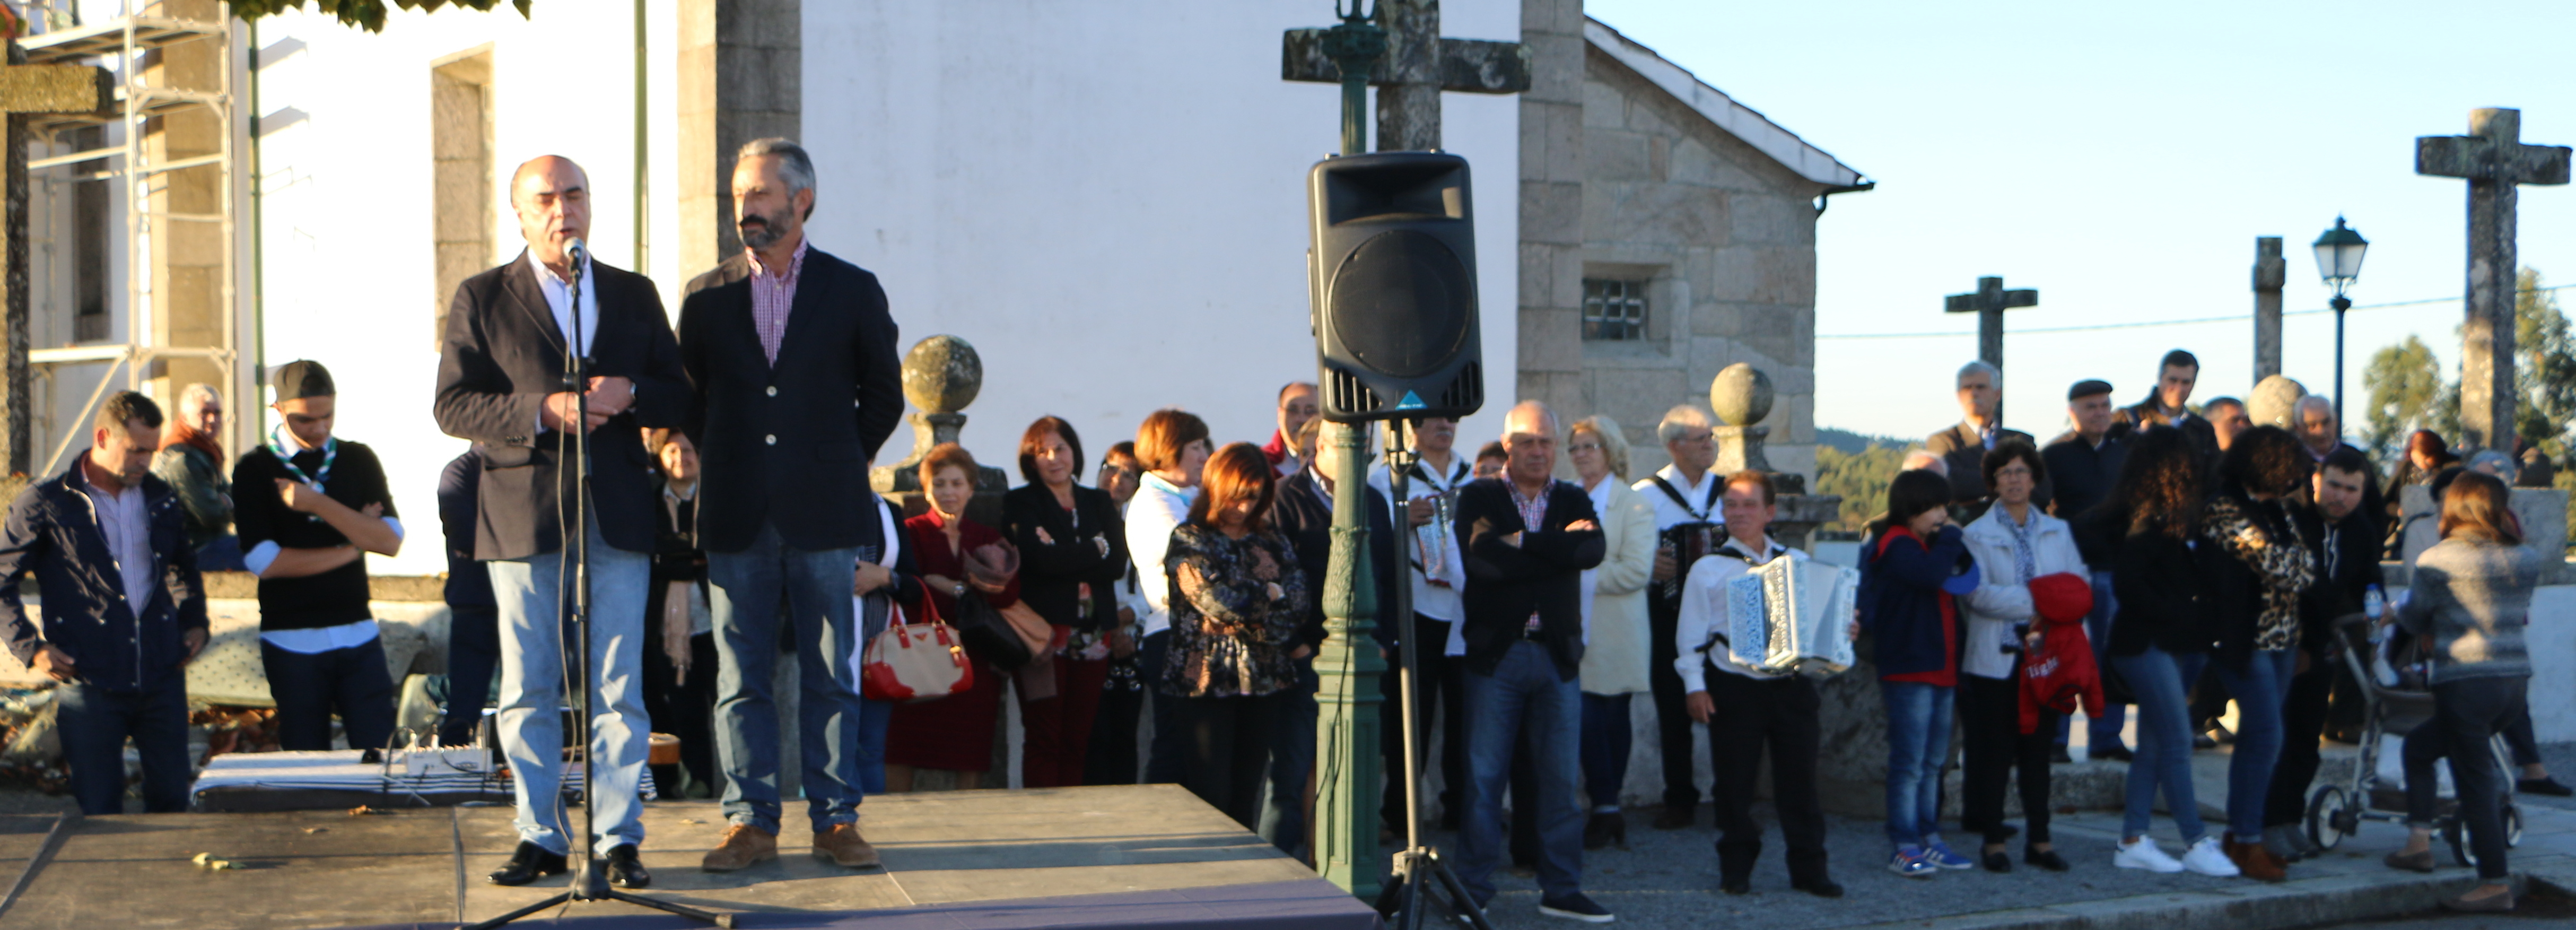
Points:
(1736, 119)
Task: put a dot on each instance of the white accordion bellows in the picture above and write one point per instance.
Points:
(1792, 616)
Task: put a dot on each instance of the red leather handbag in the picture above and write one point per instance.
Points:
(915, 662)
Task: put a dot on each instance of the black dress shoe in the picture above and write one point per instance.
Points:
(625, 871)
(2045, 858)
(1998, 862)
(2057, 756)
(529, 863)
(1820, 887)
(1735, 885)
(2114, 752)
(2542, 785)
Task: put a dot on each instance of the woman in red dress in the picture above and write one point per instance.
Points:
(953, 733)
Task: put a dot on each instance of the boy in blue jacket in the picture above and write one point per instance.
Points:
(1911, 573)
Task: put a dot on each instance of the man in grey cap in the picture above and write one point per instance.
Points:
(2082, 464)
(309, 507)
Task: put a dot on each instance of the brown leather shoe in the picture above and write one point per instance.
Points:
(2491, 904)
(2253, 860)
(743, 845)
(843, 845)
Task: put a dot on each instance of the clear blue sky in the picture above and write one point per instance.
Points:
(2121, 159)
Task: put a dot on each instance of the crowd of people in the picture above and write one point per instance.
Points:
(712, 475)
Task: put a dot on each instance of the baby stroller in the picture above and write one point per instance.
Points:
(2335, 811)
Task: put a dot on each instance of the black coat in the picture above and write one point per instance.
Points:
(469, 583)
(2163, 590)
(504, 354)
(1297, 512)
(1505, 583)
(2337, 594)
(2080, 477)
(1052, 573)
(804, 429)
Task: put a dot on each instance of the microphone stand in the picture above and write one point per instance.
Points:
(589, 881)
(1418, 866)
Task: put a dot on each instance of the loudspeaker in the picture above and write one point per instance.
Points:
(1392, 282)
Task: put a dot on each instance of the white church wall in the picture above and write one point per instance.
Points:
(1109, 206)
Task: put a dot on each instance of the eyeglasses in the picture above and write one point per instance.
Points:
(1584, 447)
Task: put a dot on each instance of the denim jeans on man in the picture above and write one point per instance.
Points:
(1292, 760)
(2159, 681)
(2259, 687)
(1523, 704)
(815, 588)
(94, 723)
(1918, 745)
(531, 594)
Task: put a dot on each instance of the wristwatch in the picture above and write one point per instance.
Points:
(960, 591)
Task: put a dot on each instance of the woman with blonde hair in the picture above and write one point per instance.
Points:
(1614, 620)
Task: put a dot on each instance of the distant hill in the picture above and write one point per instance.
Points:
(1851, 443)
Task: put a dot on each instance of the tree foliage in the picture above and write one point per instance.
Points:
(1860, 478)
(2408, 390)
(2407, 393)
(365, 14)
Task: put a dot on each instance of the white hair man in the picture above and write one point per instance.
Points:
(192, 461)
(1980, 430)
(1688, 524)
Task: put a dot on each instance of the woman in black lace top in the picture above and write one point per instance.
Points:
(1238, 600)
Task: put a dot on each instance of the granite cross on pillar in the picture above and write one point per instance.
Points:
(24, 89)
(2496, 163)
(2270, 272)
(1418, 66)
(1988, 302)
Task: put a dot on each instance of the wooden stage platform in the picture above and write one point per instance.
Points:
(1140, 856)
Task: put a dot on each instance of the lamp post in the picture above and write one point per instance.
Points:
(2339, 254)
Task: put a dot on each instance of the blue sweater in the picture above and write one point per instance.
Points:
(1901, 591)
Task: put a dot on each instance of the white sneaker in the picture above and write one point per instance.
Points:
(2142, 853)
(2205, 858)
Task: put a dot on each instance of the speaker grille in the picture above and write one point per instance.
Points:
(1401, 303)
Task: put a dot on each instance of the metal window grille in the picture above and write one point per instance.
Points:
(1614, 310)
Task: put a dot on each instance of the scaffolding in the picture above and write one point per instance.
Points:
(131, 164)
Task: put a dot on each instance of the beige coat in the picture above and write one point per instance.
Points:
(1615, 632)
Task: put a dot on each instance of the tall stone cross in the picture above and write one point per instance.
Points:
(24, 89)
(1418, 66)
(2496, 163)
(1988, 302)
(2270, 272)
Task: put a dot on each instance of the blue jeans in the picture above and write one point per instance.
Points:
(1607, 738)
(2161, 681)
(94, 723)
(2104, 728)
(753, 590)
(532, 596)
(1523, 706)
(1918, 745)
(873, 715)
(309, 687)
(2259, 688)
(1292, 760)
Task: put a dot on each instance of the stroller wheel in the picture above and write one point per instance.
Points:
(2330, 817)
(2512, 824)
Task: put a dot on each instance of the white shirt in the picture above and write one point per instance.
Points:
(559, 300)
(1447, 566)
(127, 527)
(1705, 613)
(1703, 496)
(2002, 597)
(1158, 508)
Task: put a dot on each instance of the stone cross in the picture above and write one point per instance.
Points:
(2496, 163)
(1417, 67)
(2270, 272)
(1989, 302)
(24, 89)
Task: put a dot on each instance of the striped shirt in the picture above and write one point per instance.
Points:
(772, 296)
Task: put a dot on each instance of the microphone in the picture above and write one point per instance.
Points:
(574, 252)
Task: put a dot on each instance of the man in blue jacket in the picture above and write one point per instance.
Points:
(124, 609)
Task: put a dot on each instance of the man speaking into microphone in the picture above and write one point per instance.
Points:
(503, 383)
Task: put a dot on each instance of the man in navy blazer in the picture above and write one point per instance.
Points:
(502, 384)
(1526, 538)
(793, 355)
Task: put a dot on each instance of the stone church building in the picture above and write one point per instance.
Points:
(1108, 206)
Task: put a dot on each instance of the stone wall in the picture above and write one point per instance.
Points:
(741, 78)
(1551, 209)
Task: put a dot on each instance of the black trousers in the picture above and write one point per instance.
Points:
(1111, 760)
(2518, 737)
(1443, 685)
(473, 657)
(310, 688)
(1993, 749)
(2303, 722)
(94, 723)
(1672, 716)
(1777, 714)
(1228, 751)
(2466, 714)
(683, 708)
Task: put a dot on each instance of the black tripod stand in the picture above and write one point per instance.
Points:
(589, 881)
(1418, 866)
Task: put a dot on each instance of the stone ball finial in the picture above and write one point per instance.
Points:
(1740, 395)
(2275, 402)
(942, 374)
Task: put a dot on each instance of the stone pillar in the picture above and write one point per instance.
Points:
(941, 375)
(2270, 270)
(1408, 108)
(1551, 207)
(741, 78)
(1741, 396)
(2487, 330)
(187, 298)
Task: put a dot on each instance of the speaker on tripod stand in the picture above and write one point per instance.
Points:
(1392, 266)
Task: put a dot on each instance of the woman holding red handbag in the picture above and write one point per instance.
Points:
(953, 733)
(2014, 544)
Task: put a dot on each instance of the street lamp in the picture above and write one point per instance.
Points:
(2339, 254)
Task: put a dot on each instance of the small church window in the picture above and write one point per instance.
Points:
(1614, 309)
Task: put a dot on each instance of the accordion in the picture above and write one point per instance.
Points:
(1792, 616)
(1686, 543)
